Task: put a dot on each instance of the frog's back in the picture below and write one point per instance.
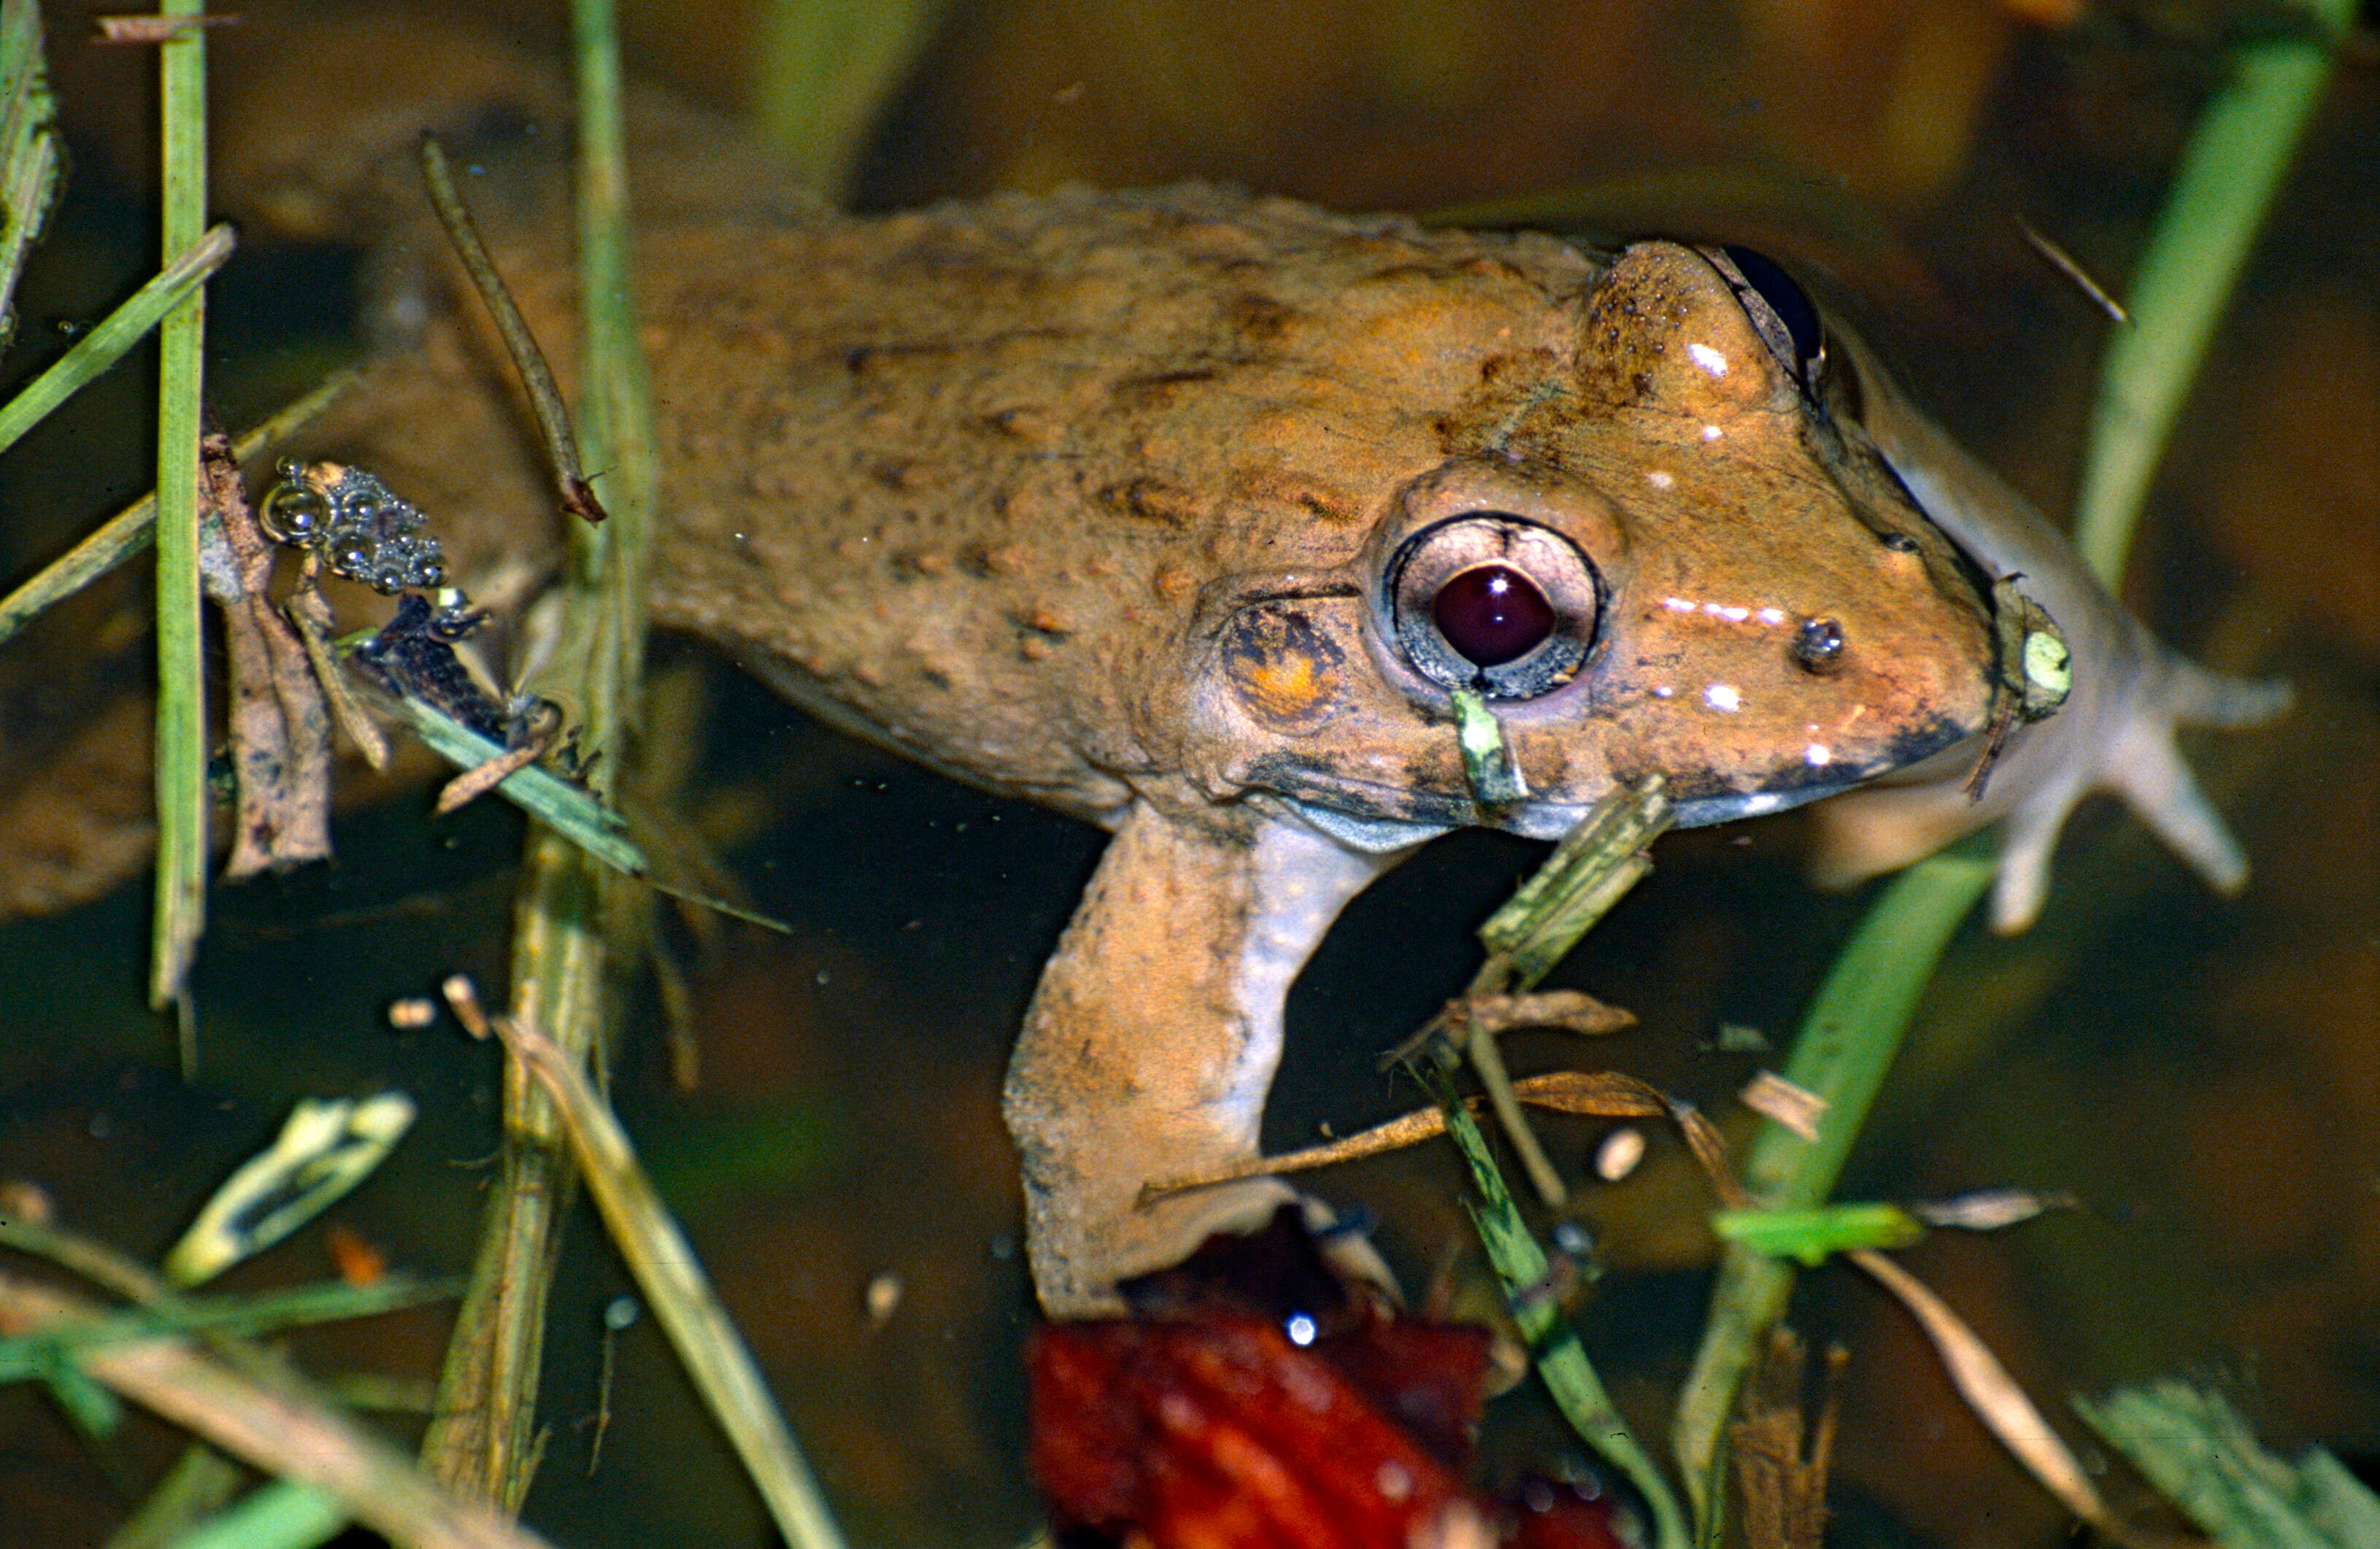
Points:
(954, 478)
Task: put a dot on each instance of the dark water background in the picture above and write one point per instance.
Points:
(2204, 1075)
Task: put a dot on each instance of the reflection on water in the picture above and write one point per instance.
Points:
(2201, 1074)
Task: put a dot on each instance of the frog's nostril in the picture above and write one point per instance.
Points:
(1819, 646)
(1493, 614)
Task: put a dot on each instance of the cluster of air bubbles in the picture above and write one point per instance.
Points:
(360, 528)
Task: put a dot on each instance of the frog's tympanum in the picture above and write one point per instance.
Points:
(1183, 512)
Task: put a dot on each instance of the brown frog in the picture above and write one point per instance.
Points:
(1184, 511)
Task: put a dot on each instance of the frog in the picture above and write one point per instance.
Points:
(1196, 513)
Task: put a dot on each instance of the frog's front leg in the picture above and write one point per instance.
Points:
(1153, 1038)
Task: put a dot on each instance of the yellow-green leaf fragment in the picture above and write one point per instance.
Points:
(325, 1149)
(1496, 780)
(1813, 1236)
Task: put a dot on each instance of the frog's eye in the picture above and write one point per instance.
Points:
(1782, 311)
(1494, 602)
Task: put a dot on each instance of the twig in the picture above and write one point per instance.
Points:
(145, 30)
(578, 497)
(310, 616)
(2066, 264)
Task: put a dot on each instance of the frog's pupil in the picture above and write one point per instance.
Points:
(1493, 614)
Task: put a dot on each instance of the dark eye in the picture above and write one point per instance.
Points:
(1494, 602)
(1782, 311)
(1493, 614)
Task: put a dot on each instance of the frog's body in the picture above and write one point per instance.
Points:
(1120, 504)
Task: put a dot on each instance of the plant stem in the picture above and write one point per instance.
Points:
(122, 329)
(1561, 1360)
(1847, 1042)
(181, 756)
(484, 1438)
(134, 528)
(2235, 164)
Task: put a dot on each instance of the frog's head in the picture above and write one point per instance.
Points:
(1668, 554)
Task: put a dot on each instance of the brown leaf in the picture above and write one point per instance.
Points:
(280, 729)
(1593, 1094)
(1569, 1009)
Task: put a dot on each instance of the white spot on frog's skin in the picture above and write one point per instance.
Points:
(1722, 696)
(1817, 756)
(1709, 360)
(1754, 807)
(1663, 691)
(1731, 612)
(1660, 478)
(1712, 432)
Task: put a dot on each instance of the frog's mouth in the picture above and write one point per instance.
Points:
(1375, 816)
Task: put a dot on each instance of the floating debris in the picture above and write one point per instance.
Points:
(1619, 1154)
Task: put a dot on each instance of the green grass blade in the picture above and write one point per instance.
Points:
(1846, 1044)
(275, 1514)
(29, 148)
(2198, 1452)
(133, 530)
(573, 811)
(123, 328)
(825, 70)
(1811, 1235)
(27, 1357)
(1519, 1263)
(2235, 164)
(181, 746)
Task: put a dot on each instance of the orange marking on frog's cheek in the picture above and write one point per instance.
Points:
(1287, 672)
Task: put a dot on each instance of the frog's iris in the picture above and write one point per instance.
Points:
(1491, 602)
(1493, 614)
